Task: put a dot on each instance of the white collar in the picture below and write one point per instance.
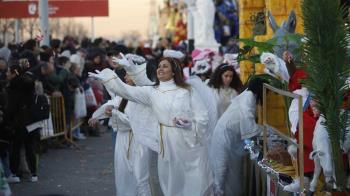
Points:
(167, 85)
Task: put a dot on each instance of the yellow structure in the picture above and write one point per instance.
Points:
(280, 9)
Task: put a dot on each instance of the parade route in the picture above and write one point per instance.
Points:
(72, 172)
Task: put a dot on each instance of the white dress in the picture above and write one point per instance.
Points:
(124, 153)
(131, 155)
(227, 146)
(223, 98)
(183, 166)
(145, 142)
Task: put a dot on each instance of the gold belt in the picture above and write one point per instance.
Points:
(131, 136)
(161, 138)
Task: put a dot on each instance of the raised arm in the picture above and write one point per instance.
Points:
(113, 84)
(120, 121)
(100, 112)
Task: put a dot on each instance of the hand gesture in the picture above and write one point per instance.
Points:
(108, 110)
(182, 123)
(104, 75)
(93, 122)
(123, 61)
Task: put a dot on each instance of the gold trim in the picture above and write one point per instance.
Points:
(131, 136)
(167, 90)
(161, 138)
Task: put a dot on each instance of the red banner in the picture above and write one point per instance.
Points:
(57, 8)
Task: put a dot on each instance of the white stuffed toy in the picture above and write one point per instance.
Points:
(275, 65)
(201, 66)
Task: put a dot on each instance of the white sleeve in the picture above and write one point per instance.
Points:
(135, 94)
(139, 75)
(247, 124)
(200, 116)
(100, 112)
(209, 99)
(120, 121)
(219, 154)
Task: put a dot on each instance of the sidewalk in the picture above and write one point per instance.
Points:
(70, 172)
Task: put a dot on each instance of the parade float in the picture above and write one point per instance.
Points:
(275, 26)
(254, 23)
(324, 59)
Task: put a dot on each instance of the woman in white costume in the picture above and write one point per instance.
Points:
(124, 151)
(183, 166)
(225, 84)
(141, 140)
(227, 146)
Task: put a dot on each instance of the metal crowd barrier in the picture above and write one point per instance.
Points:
(56, 125)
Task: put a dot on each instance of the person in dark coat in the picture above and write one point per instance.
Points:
(21, 95)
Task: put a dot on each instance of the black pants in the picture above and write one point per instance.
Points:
(31, 145)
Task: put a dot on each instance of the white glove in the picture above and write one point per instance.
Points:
(129, 60)
(104, 75)
(122, 61)
(135, 59)
(183, 123)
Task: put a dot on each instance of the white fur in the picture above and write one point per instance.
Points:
(321, 154)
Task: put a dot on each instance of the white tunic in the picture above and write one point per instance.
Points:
(132, 144)
(124, 154)
(223, 98)
(227, 147)
(183, 164)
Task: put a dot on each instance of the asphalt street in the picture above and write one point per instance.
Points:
(71, 172)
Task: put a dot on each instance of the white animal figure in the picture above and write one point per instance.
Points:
(322, 155)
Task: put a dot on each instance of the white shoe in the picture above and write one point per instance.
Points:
(295, 186)
(79, 136)
(13, 179)
(34, 179)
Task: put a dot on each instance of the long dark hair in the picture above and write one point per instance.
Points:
(216, 79)
(177, 70)
(256, 86)
(122, 105)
